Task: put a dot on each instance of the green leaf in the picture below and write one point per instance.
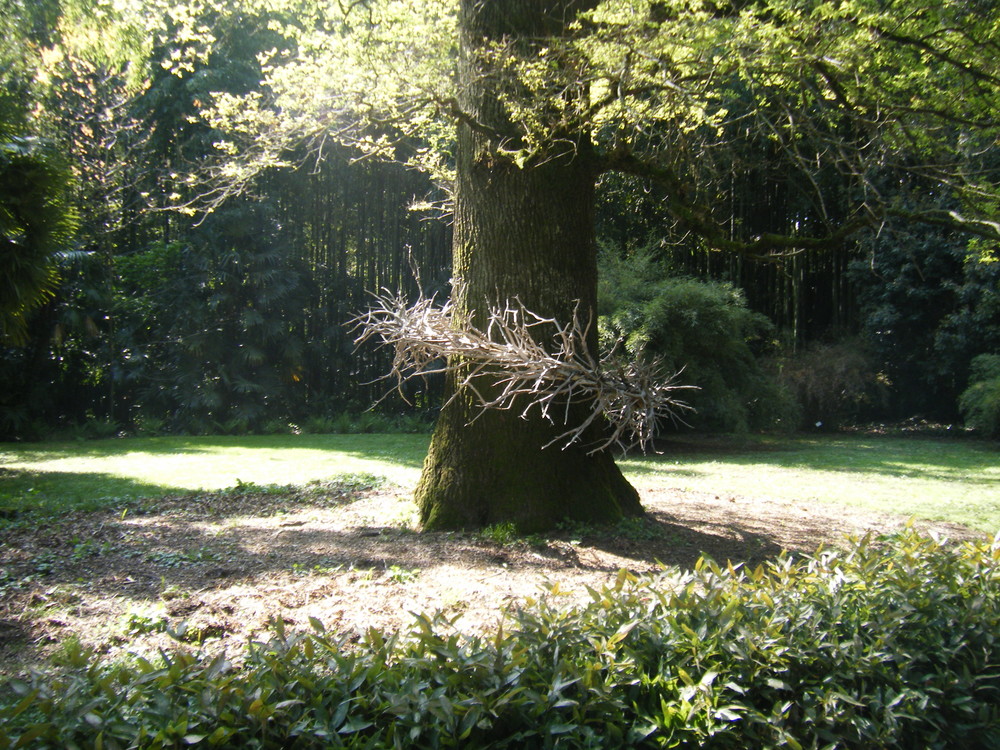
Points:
(561, 728)
(32, 734)
(21, 705)
(354, 725)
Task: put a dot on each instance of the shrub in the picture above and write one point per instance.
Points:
(980, 402)
(703, 328)
(503, 533)
(891, 645)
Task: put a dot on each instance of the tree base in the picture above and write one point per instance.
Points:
(494, 470)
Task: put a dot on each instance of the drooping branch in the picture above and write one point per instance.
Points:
(506, 367)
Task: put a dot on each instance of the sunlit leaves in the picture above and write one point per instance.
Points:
(843, 89)
(378, 79)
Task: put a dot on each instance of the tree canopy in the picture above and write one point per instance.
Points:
(830, 98)
(839, 103)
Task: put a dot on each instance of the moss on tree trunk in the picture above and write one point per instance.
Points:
(525, 233)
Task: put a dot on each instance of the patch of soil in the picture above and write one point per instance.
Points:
(216, 569)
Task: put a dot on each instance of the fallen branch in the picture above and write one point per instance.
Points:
(632, 397)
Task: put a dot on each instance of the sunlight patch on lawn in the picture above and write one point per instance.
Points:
(65, 473)
(955, 480)
(220, 468)
(937, 480)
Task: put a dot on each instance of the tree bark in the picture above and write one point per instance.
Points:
(524, 233)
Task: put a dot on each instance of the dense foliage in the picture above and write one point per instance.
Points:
(702, 330)
(834, 384)
(231, 322)
(929, 303)
(980, 402)
(891, 643)
(732, 140)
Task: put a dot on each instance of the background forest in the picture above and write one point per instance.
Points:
(124, 311)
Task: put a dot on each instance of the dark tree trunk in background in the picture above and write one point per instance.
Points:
(526, 234)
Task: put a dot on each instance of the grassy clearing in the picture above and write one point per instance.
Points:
(956, 480)
(58, 477)
(950, 480)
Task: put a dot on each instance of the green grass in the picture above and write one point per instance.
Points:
(956, 480)
(55, 477)
(952, 480)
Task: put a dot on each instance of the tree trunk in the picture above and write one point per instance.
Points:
(524, 233)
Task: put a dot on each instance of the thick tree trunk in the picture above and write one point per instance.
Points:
(525, 233)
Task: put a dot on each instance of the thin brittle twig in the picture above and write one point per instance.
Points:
(633, 397)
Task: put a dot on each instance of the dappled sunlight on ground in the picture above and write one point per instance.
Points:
(217, 569)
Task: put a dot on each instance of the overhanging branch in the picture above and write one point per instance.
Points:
(698, 219)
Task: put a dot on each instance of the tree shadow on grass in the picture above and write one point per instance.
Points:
(661, 539)
(26, 494)
(236, 559)
(206, 542)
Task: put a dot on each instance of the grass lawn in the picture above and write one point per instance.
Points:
(91, 474)
(956, 480)
(952, 480)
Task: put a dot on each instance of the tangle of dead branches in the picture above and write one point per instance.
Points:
(631, 397)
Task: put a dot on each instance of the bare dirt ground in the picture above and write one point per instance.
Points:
(215, 569)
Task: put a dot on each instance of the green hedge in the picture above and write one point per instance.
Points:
(891, 644)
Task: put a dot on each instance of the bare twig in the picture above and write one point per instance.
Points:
(524, 375)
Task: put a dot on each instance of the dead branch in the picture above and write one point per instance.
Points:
(632, 397)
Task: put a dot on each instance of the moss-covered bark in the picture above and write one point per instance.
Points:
(495, 470)
(525, 233)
